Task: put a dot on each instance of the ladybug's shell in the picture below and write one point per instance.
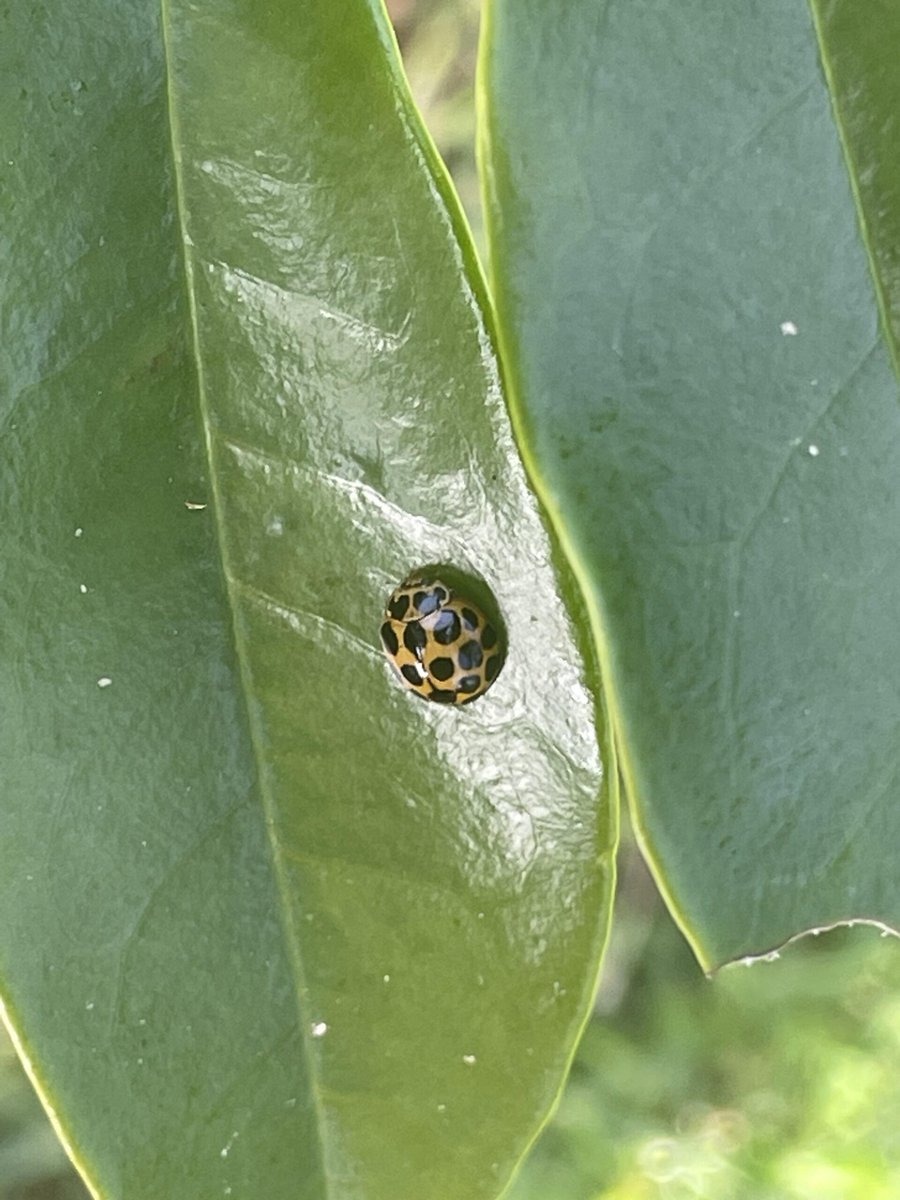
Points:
(442, 647)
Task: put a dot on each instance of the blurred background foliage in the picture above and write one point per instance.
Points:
(439, 43)
(776, 1082)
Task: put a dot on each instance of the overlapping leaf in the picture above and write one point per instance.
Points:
(694, 214)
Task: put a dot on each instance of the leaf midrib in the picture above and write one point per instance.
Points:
(229, 577)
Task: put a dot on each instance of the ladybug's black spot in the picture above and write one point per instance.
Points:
(441, 668)
(411, 674)
(446, 628)
(489, 637)
(470, 618)
(414, 638)
(441, 696)
(389, 638)
(427, 602)
(492, 667)
(469, 683)
(397, 607)
(469, 656)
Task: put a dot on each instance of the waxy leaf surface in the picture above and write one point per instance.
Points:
(272, 926)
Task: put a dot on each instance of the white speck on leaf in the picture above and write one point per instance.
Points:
(82, 587)
(79, 531)
(813, 451)
(194, 505)
(104, 681)
(469, 1059)
(788, 328)
(319, 1029)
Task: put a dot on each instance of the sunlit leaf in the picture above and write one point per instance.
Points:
(273, 926)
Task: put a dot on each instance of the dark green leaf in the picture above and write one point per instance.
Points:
(273, 927)
(683, 257)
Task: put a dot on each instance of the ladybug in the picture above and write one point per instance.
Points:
(441, 645)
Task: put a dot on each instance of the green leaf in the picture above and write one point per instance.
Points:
(688, 273)
(273, 927)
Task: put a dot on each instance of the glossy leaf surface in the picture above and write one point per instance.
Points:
(272, 926)
(684, 261)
